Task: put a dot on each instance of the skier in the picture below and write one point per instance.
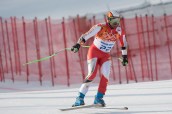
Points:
(106, 34)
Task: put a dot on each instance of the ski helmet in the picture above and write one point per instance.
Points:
(113, 19)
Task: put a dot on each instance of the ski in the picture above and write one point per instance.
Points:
(94, 106)
(120, 108)
(81, 107)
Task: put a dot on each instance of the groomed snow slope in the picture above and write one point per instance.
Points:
(140, 98)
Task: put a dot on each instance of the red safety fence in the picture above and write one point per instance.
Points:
(22, 40)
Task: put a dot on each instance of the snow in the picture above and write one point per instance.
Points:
(141, 98)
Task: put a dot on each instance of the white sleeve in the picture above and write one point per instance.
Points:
(93, 31)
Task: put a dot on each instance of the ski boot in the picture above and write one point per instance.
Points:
(79, 100)
(99, 99)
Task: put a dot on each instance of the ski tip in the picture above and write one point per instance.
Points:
(126, 108)
(62, 109)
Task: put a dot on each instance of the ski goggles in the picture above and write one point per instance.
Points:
(114, 20)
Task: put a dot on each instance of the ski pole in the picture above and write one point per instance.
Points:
(48, 57)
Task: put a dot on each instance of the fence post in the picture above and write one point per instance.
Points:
(81, 53)
(9, 50)
(52, 49)
(1, 68)
(94, 19)
(168, 40)
(154, 39)
(17, 46)
(139, 42)
(150, 54)
(131, 60)
(4, 45)
(49, 47)
(25, 46)
(14, 42)
(37, 49)
(66, 55)
(144, 48)
(105, 18)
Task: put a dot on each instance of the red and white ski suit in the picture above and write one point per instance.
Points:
(99, 53)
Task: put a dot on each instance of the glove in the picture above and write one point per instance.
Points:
(75, 48)
(124, 60)
(81, 40)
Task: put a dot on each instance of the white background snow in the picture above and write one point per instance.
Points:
(141, 98)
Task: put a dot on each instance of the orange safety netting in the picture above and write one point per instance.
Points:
(22, 40)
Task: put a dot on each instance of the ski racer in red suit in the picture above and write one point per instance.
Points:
(106, 34)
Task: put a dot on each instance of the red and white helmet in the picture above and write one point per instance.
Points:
(113, 19)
